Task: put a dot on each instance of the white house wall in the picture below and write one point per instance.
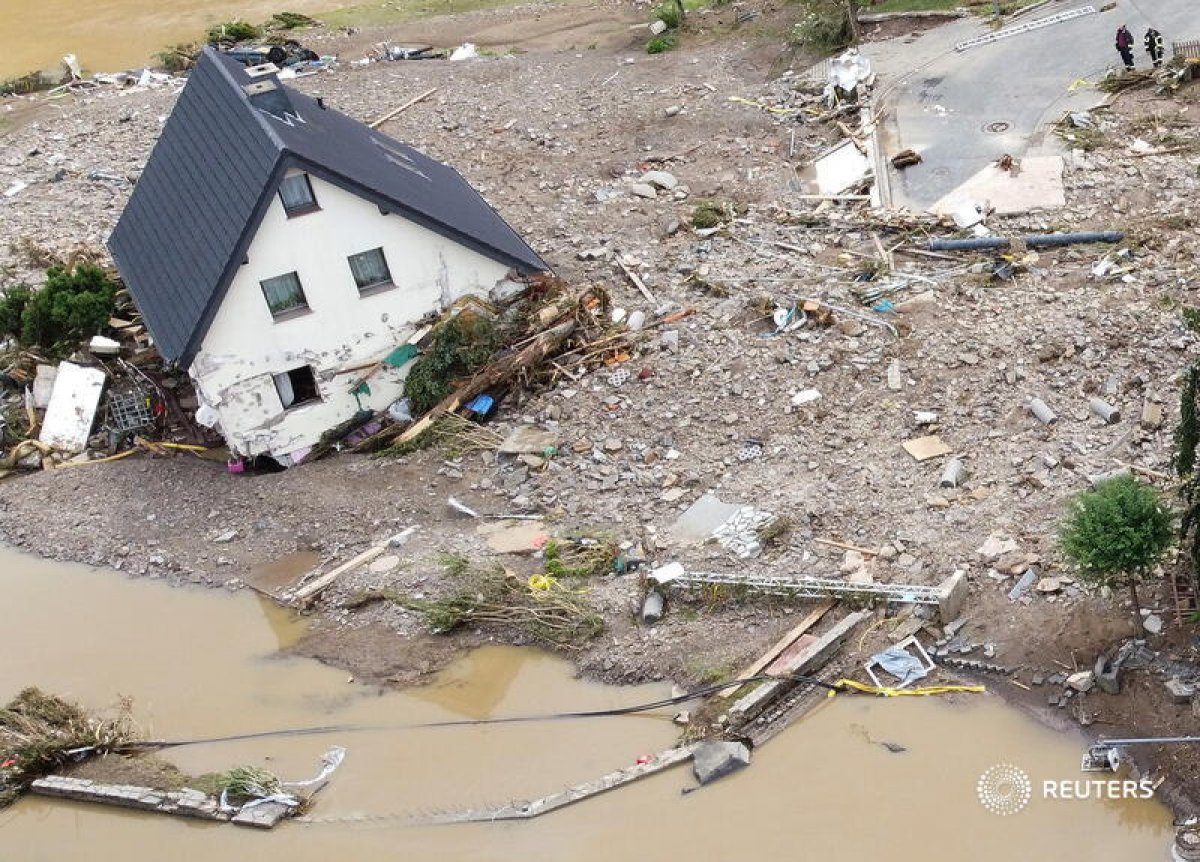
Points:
(245, 346)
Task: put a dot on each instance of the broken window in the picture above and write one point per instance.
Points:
(370, 269)
(297, 195)
(297, 387)
(284, 294)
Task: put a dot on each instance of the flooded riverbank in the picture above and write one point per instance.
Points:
(204, 663)
(111, 35)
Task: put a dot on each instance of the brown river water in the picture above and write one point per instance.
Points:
(204, 663)
(112, 35)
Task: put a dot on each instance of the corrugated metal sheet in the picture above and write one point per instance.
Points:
(215, 170)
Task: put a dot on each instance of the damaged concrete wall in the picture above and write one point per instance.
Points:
(341, 331)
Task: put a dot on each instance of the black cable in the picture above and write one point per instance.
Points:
(466, 722)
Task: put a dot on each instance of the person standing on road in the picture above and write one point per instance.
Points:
(1125, 45)
(1154, 46)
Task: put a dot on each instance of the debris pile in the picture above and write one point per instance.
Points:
(41, 733)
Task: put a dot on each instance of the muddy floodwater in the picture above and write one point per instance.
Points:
(111, 35)
(203, 663)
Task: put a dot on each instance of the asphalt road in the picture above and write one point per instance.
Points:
(963, 110)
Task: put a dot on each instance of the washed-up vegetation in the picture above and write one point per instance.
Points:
(542, 607)
(41, 733)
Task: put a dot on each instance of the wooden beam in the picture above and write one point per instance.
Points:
(377, 123)
(847, 547)
(783, 643)
(637, 281)
(309, 591)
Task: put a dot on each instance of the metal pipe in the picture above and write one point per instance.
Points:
(1044, 240)
(1147, 740)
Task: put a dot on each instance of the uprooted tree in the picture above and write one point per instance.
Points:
(1115, 534)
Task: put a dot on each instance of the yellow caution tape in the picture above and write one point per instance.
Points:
(905, 692)
(1079, 84)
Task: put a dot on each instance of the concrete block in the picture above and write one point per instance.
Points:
(952, 595)
(716, 759)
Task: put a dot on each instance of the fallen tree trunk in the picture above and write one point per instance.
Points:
(497, 372)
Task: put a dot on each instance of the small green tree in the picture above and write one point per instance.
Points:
(73, 305)
(1115, 534)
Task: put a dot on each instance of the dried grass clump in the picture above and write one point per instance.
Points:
(41, 733)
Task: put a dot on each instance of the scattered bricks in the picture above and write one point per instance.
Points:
(1042, 411)
(1111, 415)
(1180, 691)
(1152, 415)
(975, 666)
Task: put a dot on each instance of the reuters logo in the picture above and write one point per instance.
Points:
(1004, 789)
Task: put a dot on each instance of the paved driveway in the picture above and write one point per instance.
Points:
(962, 111)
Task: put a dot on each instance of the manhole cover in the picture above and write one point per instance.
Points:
(996, 128)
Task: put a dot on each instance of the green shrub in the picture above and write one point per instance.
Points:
(71, 306)
(228, 32)
(178, 58)
(25, 84)
(460, 347)
(709, 214)
(1115, 534)
(289, 21)
(12, 309)
(670, 14)
(659, 44)
(824, 25)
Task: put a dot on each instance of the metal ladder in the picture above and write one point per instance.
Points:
(1025, 28)
(811, 588)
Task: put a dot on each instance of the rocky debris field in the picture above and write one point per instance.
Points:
(805, 422)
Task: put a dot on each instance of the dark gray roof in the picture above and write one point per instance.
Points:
(216, 168)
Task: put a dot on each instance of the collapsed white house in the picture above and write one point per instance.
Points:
(277, 248)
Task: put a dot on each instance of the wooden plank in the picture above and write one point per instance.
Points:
(783, 643)
(786, 658)
(377, 123)
(847, 547)
(637, 281)
(309, 591)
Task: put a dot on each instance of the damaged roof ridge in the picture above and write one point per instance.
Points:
(227, 72)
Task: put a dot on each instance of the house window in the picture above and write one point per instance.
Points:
(297, 195)
(370, 269)
(284, 295)
(297, 387)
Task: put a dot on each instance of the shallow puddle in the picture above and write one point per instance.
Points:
(201, 663)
